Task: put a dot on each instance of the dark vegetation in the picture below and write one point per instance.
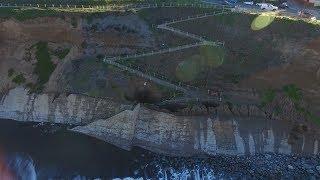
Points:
(44, 66)
(19, 79)
(295, 94)
(268, 97)
(16, 78)
(61, 53)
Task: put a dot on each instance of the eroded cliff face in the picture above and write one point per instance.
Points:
(19, 105)
(82, 38)
(186, 136)
(126, 126)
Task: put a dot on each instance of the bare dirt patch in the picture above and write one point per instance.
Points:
(70, 34)
(94, 78)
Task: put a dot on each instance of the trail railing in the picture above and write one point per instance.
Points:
(111, 6)
(163, 80)
(158, 79)
(163, 51)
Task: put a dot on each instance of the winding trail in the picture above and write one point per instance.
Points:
(165, 26)
(191, 91)
(162, 51)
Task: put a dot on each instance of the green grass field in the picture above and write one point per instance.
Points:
(26, 13)
(22, 14)
(94, 2)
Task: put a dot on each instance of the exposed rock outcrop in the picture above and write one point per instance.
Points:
(161, 132)
(185, 136)
(19, 105)
(117, 130)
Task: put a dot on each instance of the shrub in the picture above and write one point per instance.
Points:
(293, 92)
(308, 114)
(268, 97)
(313, 118)
(62, 53)
(19, 79)
(10, 72)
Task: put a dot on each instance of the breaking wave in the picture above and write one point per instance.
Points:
(19, 166)
(198, 172)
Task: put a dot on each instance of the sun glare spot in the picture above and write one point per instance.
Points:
(262, 21)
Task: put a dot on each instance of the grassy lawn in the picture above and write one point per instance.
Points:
(95, 2)
(49, 2)
(22, 14)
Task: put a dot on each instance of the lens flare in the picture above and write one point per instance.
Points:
(5, 173)
(209, 57)
(262, 21)
(212, 56)
(189, 69)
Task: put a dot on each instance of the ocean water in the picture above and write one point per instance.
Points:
(30, 151)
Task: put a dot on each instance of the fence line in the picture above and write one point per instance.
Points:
(154, 74)
(113, 6)
(184, 100)
(164, 26)
(194, 17)
(160, 79)
(167, 50)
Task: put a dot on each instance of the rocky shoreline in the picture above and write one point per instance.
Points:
(261, 166)
(137, 163)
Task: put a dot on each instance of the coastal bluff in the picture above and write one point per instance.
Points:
(126, 126)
